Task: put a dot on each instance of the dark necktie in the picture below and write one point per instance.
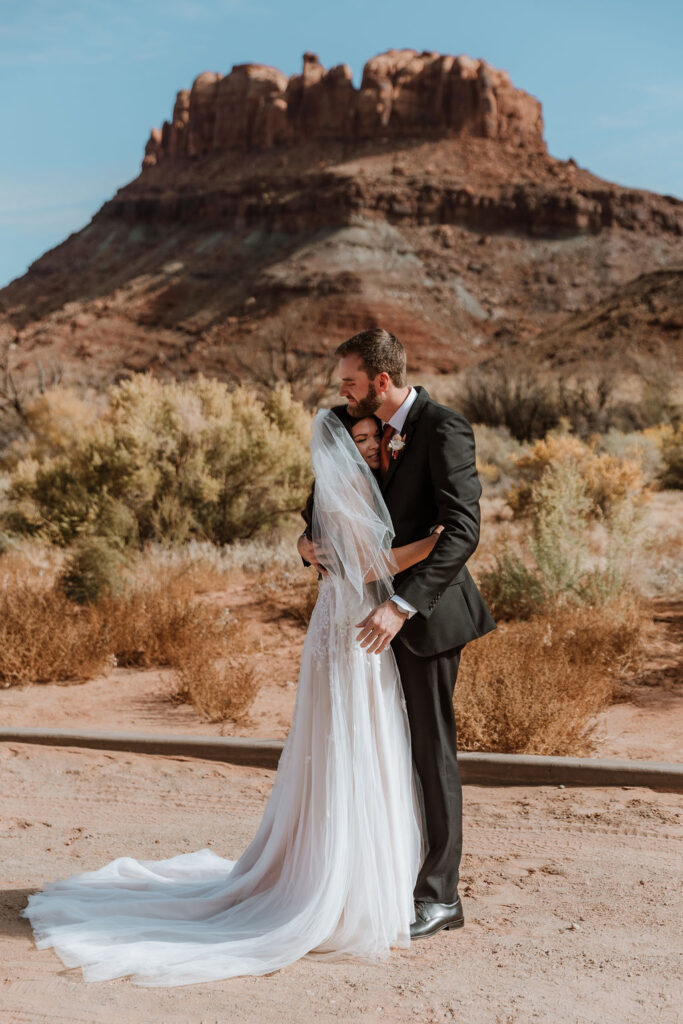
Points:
(387, 435)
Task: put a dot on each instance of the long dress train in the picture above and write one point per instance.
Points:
(331, 869)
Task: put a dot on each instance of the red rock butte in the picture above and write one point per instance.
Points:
(403, 94)
(426, 201)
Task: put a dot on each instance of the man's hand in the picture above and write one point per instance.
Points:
(308, 550)
(379, 628)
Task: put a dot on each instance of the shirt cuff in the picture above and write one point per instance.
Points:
(404, 606)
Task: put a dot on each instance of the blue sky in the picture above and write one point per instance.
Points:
(84, 81)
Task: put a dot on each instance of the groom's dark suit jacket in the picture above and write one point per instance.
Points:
(434, 480)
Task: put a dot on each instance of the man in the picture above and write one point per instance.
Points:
(428, 476)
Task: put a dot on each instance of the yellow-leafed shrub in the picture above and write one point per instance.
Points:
(609, 480)
(162, 461)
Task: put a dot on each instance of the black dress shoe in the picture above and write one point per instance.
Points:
(432, 917)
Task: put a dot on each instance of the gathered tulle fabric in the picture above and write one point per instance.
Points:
(331, 870)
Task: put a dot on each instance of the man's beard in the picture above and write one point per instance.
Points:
(367, 406)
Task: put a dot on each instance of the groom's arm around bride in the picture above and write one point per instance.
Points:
(430, 478)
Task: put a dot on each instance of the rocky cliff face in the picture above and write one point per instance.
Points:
(403, 94)
(277, 211)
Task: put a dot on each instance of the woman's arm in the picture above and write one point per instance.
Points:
(411, 554)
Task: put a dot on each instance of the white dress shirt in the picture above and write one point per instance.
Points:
(397, 421)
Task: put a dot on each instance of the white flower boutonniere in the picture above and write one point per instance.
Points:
(397, 444)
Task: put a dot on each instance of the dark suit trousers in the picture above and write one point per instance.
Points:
(428, 685)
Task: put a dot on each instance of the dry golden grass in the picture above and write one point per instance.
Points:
(144, 621)
(293, 593)
(44, 637)
(157, 618)
(535, 687)
(213, 665)
(163, 622)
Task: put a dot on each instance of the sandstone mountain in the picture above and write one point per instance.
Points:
(275, 216)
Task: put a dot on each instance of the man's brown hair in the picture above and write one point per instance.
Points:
(380, 352)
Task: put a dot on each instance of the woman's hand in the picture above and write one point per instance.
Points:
(311, 553)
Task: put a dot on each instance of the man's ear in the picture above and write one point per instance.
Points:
(383, 381)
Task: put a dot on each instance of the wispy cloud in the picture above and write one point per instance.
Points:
(50, 201)
(91, 31)
(197, 10)
(669, 95)
(656, 99)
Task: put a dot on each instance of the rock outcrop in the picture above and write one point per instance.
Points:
(273, 208)
(403, 94)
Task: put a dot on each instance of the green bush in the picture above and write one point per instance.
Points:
(162, 461)
(553, 566)
(92, 567)
(672, 456)
(511, 589)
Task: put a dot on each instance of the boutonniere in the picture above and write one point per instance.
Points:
(397, 444)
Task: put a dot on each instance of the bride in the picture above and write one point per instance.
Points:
(331, 869)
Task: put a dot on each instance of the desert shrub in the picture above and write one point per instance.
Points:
(302, 602)
(212, 663)
(159, 620)
(553, 564)
(560, 507)
(535, 687)
(656, 401)
(288, 351)
(670, 442)
(610, 480)
(495, 448)
(92, 567)
(45, 637)
(659, 554)
(511, 589)
(163, 461)
(152, 618)
(55, 422)
(636, 445)
(516, 398)
(292, 594)
(530, 401)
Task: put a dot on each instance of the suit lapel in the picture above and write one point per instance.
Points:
(408, 428)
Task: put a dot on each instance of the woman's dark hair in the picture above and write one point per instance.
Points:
(348, 421)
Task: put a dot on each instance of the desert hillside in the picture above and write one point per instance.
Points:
(275, 214)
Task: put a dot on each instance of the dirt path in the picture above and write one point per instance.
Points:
(569, 894)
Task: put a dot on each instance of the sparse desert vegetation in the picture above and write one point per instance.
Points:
(126, 522)
(152, 614)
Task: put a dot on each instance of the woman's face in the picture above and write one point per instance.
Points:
(366, 435)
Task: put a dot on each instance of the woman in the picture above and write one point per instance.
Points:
(330, 872)
(367, 434)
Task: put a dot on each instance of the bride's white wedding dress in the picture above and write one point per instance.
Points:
(331, 870)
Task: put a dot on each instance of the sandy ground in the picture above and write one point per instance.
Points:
(569, 894)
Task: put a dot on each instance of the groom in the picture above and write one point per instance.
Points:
(427, 476)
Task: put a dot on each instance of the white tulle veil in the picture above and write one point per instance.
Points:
(351, 523)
